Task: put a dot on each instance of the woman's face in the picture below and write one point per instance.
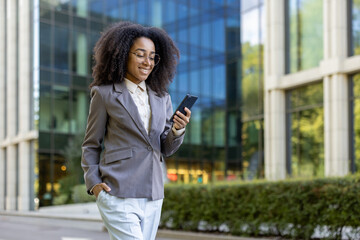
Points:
(140, 62)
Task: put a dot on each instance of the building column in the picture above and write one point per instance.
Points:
(11, 108)
(336, 98)
(2, 103)
(24, 168)
(336, 123)
(274, 112)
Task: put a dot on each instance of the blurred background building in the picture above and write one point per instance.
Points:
(278, 84)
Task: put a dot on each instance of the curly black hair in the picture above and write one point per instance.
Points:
(112, 50)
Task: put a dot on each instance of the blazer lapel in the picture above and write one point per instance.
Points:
(128, 103)
(155, 103)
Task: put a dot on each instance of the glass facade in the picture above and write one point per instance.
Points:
(355, 27)
(305, 131)
(304, 34)
(66, 42)
(221, 45)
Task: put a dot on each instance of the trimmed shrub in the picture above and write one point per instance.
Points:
(296, 209)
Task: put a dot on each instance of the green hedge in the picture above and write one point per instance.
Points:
(291, 209)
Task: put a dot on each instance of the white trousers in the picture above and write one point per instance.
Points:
(129, 218)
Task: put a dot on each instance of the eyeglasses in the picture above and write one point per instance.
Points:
(153, 58)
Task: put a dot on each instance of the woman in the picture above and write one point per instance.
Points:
(129, 128)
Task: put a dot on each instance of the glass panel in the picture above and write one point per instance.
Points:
(45, 13)
(61, 5)
(80, 8)
(79, 104)
(62, 79)
(195, 126)
(60, 141)
(44, 140)
(356, 27)
(45, 122)
(79, 53)
(45, 76)
(94, 36)
(112, 10)
(61, 18)
(45, 182)
(305, 34)
(96, 8)
(219, 89)
(356, 122)
(219, 127)
(357, 131)
(79, 23)
(45, 45)
(142, 12)
(60, 117)
(207, 126)
(206, 81)
(307, 131)
(218, 35)
(307, 159)
(305, 96)
(79, 81)
(253, 155)
(61, 48)
(183, 81)
(59, 173)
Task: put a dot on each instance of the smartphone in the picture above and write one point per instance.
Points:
(188, 102)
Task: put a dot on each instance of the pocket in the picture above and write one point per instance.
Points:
(119, 154)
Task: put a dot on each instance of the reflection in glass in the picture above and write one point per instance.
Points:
(45, 45)
(79, 111)
(305, 34)
(112, 10)
(96, 8)
(252, 149)
(45, 13)
(355, 27)
(60, 117)
(61, 48)
(306, 134)
(45, 108)
(252, 80)
(251, 89)
(355, 164)
(80, 7)
(79, 53)
(45, 179)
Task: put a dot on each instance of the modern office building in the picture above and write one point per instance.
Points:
(278, 84)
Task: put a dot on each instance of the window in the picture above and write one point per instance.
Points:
(304, 34)
(305, 131)
(355, 123)
(355, 28)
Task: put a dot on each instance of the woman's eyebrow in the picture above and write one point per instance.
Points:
(143, 50)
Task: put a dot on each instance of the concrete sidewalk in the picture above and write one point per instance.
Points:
(89, 216)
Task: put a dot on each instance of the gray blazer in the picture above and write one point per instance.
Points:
(117, 149)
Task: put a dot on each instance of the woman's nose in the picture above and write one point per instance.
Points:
(147, 61)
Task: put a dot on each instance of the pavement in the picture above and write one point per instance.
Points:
(85, 217)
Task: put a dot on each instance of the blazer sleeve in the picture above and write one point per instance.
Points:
(169, 142)
(92, 145)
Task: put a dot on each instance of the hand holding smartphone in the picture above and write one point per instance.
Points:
(188, 102)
